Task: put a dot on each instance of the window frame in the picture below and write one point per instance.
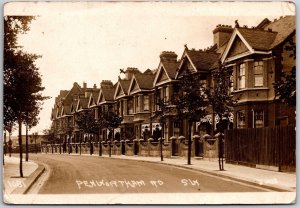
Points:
(146, 98)
(255, 116)
(238, 119)
(258, 75)
(241, 78)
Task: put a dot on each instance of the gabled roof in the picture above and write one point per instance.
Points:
(93, 98)
(142, 82)
(121, 88)
(171, 68)
(199, 60)
(145, 81)
(73, 106)
(82, 104)
(202, 60)
(263, 38)
(166, 69)
(65, 110)
(76, 89)
(284, 27)
(106, 95)
(258, 39)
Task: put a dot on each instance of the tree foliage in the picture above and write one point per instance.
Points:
(163, 107)
(190, 100)
(50, 134)
(21, 78)
(219, 95)
(87, 123)
(22, 83)
(285, 88)
(110, 120)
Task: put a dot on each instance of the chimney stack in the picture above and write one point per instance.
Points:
(168, 56)
(222, 34)
(130, 71)
(84, 85)
(106, 84)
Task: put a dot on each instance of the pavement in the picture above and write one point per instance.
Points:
(277, 181)
(12, 182)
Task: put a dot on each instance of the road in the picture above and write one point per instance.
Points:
(70, 174)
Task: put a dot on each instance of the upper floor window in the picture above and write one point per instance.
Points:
(258, 74)
(130, 106)
(231, 83)
(120, 107)
(137, 104)
(241, 76)
(146, 102)
(241, 120)
(165, 94)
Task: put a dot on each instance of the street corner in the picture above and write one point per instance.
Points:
(30, 180)
(13, 183)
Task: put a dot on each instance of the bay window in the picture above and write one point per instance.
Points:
(258, 73)
(241, 76)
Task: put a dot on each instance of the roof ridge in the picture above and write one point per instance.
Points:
(257, 29)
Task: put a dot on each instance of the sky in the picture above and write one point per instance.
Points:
(90, 41)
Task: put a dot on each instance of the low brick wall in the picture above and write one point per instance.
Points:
(129, 149)
(209, 148)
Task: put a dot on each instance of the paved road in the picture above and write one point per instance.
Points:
(84, 174)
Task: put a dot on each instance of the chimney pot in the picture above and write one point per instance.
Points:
(222, 33)
(168, 56)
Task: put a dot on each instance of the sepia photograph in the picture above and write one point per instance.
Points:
(149, 103)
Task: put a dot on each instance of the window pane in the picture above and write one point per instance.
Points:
(241, 78)
(258, 70)
(259, 118)
(146, 102)
(258, 81)
(242, 82)
(241, 119)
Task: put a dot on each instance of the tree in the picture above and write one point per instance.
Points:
(162, 113)
(68, 130)
(190, 102)
(285, 88)
(50, 134)
(110, 120)
(88, 124)
(222, 102)
(21, 78)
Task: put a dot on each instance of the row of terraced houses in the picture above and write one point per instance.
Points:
(256, 56)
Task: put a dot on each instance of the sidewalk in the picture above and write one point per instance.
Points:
(278, 181)
(12, 183)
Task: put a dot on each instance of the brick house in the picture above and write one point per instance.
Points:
(140, 91)
(125, 104)
(258, 58)
(164, 82)
(105, 102)
(199, 61)
(256, 55)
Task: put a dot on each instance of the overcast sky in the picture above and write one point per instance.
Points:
(90, 41)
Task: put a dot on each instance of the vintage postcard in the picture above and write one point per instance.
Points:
(149, 102)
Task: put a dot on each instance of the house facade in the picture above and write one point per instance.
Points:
(164, 84)
(257, 57)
